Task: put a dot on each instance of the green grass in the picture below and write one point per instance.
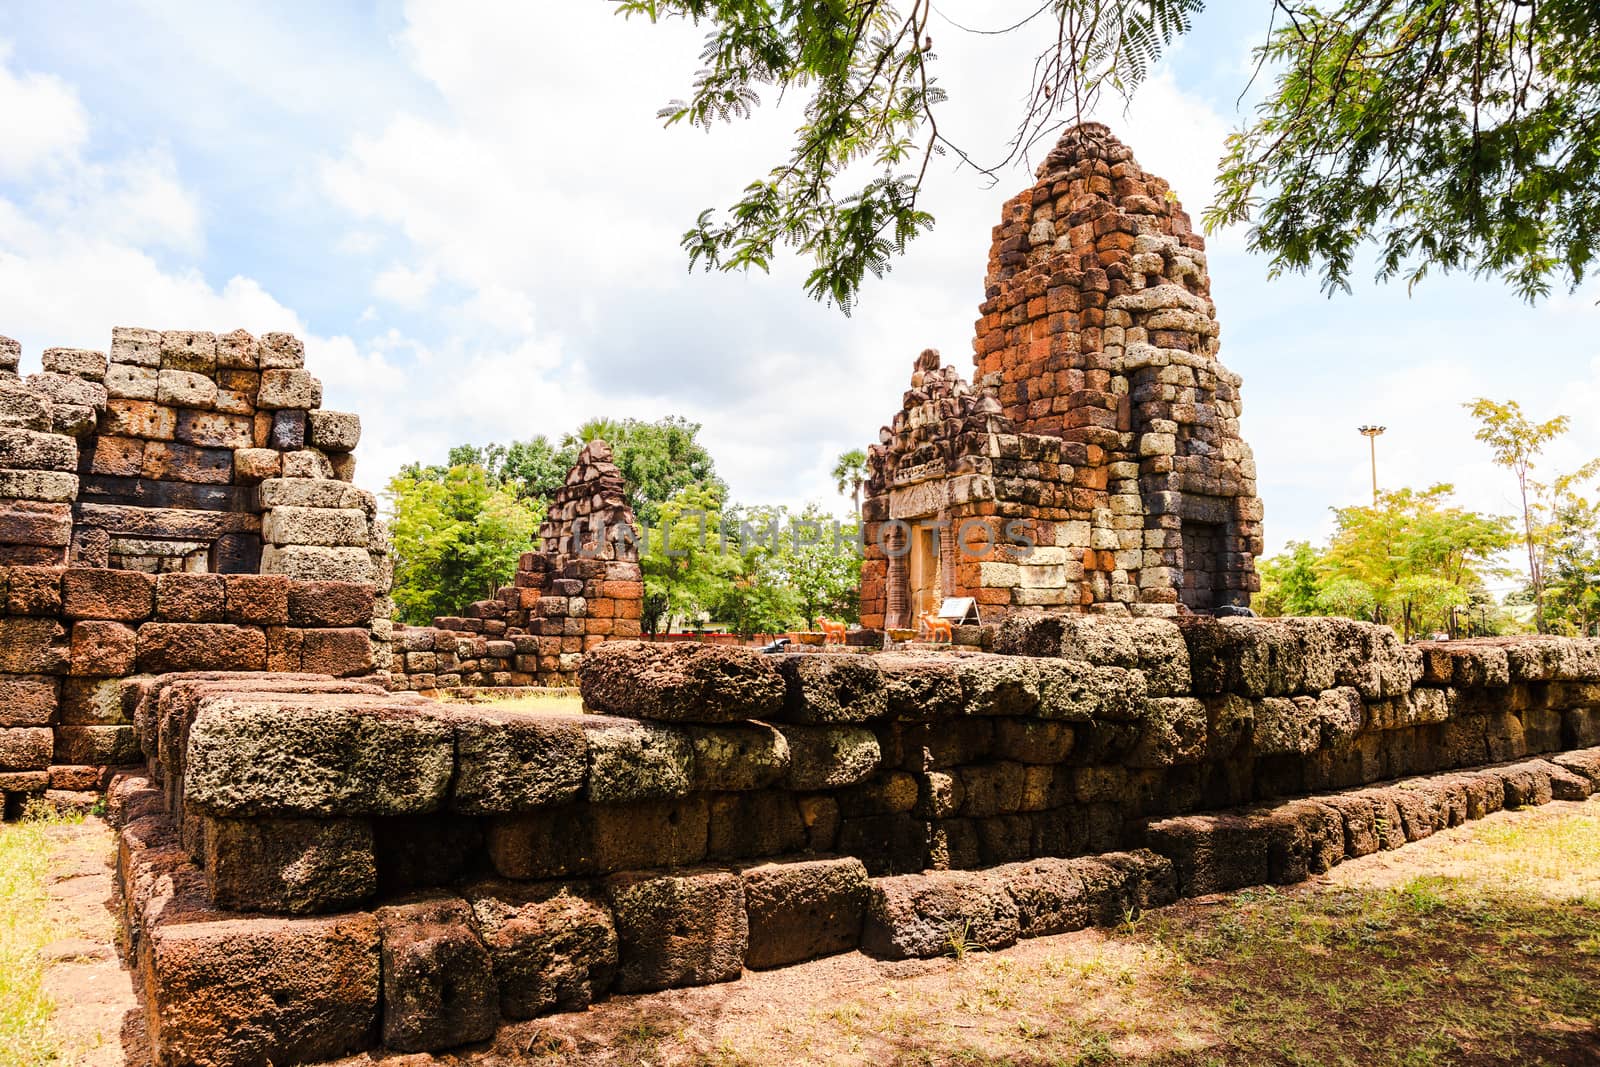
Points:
(26, 926)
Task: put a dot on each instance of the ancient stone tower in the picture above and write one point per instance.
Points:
(1095, 463)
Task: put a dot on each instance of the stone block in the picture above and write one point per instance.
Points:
(103, 745)
(211, 429)
(26, 748)
(738, 756)
(136, 347)
(553, 946)
(333, 431)
(307, 463)
(33, 646)
(288, 430)
(591, 839)
(65, 390)
(121, 457)
(438, 981)
(289, 866)
(103, 648)
(189, 350)
(32, 522)
(22, 449)
(188, 646)
(314, 603)
(190, 598)
(318, 564)
(682, 929)
(185, 389)
(258, 990)
(1174, 733)
(283, 388)
(78, 362)
(631, 761)
(748, 825)
(171, 461)
(281, 351)
(94, 701)
(252, 465)
(21, 406)
(510, 761)
(920, 688)
(1033, 740)
(425, 851)
(829, 757)
(1211, 853)
(315, 526)
(681, 682)
(804, 909)
(314, 493)
(55, 487)
(257, 599)
(317, 756)
(1055, 896)
(832, 688)
(140, 418)
(28, 699)
(128, 382)
(917, 916)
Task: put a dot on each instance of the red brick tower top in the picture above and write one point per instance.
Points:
(1094, 227)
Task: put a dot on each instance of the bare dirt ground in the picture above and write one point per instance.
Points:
(1478, 946)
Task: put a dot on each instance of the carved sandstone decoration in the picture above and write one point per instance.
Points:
(1100, 430)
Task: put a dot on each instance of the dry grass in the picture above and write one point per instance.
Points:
(1478, 946)
(563, 702)
(27, 925)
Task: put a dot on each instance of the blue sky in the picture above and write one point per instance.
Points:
(471, 213)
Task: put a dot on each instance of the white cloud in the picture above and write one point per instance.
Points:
(41, 119)
(400, 284)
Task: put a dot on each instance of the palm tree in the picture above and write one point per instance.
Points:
(849, 474)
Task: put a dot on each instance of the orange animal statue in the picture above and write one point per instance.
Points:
(938, 629)
(832, 632)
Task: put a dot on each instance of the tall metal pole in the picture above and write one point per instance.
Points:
(1371, 434)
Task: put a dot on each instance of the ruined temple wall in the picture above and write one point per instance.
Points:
(731, 810)
(583, 586)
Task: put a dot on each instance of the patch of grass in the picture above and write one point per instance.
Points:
(26, 926)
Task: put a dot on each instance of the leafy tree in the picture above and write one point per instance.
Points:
(849, 475)
(1414, 557)
(1289, 582)
(1517, 441)
(1572, 603)
(821, 563)
(687, 571)
(533, 469)
(456, 539)
(1448, 134)
(657, 459)
(758, 600)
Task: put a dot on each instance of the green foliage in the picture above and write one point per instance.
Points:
(1443, 134)
(1417, 556)
(657, 459)
(456, 538)
(1572, 603)
(1450, 134)
(1289, 582)
(687, 572)
(850, 474)
(1517, 442)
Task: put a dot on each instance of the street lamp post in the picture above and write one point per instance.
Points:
(1371, 434)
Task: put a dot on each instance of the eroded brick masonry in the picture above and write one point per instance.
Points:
(1100, 431)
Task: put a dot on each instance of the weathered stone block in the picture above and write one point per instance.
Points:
(281, 351)
(553, 946)
(90, 593)
(54, 487)
(315, 603)
(915, 916)
(259, 990)
(103, 648)
(832, 688)
(315, 526)
(333, 431)
(737, 757)
(682, 929)
(631, 761)
(26, 748)
(438, 981)
(174, 462)
(829, 757)
(287, 388)
(318, 564)
(289, 866)
(185, 389)
(103, 745)
(509, 761)
(1211, 853)
(28, 699)
(79, 362)
(33, 645)
(681, 682)
(135, 346)
(32, 450)
(804, 909)
(317, 756)
(191, 646)
(212, 429)
(258, 599)
(252, 465)
(191, 598)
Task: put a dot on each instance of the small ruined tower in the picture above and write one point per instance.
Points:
(1113, 429)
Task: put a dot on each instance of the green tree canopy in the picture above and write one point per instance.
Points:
(1438, 134)
(657, 459)
(456, 539)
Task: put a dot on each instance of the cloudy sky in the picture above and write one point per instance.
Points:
(470, 212)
